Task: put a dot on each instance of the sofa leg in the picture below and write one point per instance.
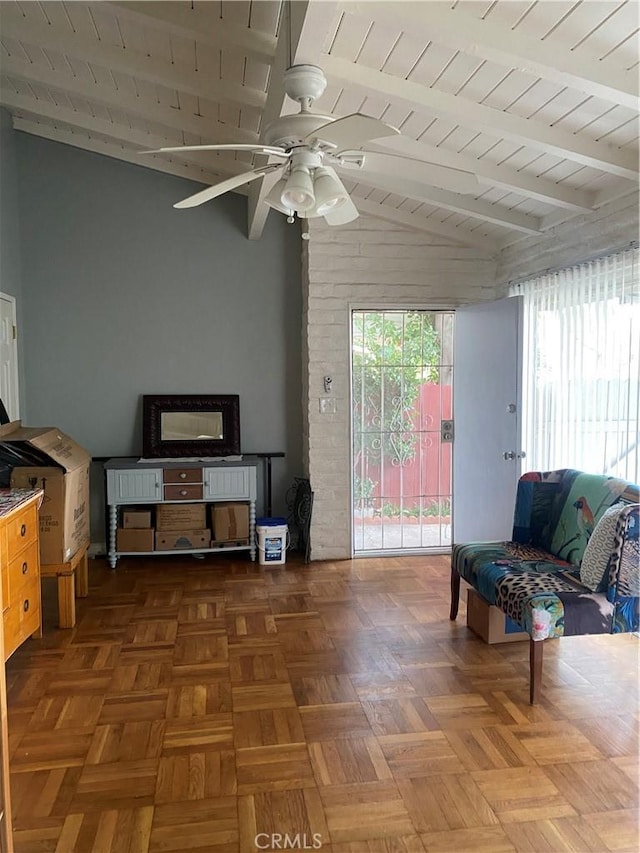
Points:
(535, 670)
(455, 593)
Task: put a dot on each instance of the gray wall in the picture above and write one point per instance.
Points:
(10, 277)
(125, 295)
(10, 272)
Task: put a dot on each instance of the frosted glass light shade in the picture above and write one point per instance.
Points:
(298, 192)
(330, 192)
(274, 198)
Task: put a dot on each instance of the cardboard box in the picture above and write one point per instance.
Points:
(491, 623)
(230, 521)
(134, 539)
(135, 519)
(183, 516)
(64, 476)
(174, 540)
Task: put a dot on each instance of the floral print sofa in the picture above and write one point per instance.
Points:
(536, 578)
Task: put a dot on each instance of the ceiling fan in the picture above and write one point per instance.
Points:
(311, 149)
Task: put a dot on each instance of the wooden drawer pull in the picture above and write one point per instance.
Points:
(25, 606)
(23, 530)
(183, 476)
(25, 567)
(184, 492)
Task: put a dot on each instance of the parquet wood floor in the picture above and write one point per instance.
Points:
(226, 707)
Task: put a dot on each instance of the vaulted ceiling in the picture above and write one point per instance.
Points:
(538, 98)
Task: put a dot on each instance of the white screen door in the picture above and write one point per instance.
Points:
(401, 384)
(9, 357)
(486, 406)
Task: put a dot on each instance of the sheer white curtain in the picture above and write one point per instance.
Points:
(581, 369)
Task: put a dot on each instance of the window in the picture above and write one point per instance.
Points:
(581, 367)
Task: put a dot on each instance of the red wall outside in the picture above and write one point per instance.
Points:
(428, 474)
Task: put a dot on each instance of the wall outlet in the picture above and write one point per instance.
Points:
(327, 405)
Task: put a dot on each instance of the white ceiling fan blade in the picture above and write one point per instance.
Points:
(405, 168)
(268, 150)
(225, 186)
(352, 131)
(347, 212)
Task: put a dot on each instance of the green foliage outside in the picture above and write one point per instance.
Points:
(363, 491)
(394, 354)
(436, 509)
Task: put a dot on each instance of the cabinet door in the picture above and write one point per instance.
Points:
(133, 486)
(231, 484)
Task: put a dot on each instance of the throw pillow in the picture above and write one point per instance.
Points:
(599, 548)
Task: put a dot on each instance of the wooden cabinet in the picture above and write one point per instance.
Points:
(20, 560)
(130, 483)
(133, 485)
(6, 834)
(20, 606)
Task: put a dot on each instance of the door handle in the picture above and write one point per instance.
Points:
(509, 454)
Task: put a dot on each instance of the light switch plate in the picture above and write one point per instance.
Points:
(327, 405)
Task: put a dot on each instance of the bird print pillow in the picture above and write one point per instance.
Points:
(599, 548)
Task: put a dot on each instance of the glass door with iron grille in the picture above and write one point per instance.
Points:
(401, 393)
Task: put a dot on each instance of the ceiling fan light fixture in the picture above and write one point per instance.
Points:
(274, 198)
(298, 192)
(329, 190)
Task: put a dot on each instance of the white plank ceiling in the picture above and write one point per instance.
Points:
(539, 98)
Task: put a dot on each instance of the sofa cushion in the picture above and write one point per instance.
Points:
(599, 548)
(483, 564)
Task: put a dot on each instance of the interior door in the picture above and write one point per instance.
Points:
(487, 412)
(9, 357)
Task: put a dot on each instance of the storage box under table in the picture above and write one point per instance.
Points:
(181, 516)
(230, 521)
(176, 540)
(136, 518)
(135, 539)
(490, 623)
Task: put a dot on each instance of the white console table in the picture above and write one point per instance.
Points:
(130, 483)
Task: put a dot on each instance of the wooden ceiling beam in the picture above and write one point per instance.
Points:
(418, 223)
(110, 149)
(486, 40)
(121, 133)
(518, 181)
(194, 21)
(210, 130)
(467, 205)
(499, 124)
(130, 62)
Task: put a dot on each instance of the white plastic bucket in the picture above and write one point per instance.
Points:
(272, 540)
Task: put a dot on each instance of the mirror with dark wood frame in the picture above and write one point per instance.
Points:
(190, 425)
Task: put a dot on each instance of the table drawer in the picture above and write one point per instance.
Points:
(23, 617)
(184, 492)
(21, 570)
(22, 530)
(182, 475)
